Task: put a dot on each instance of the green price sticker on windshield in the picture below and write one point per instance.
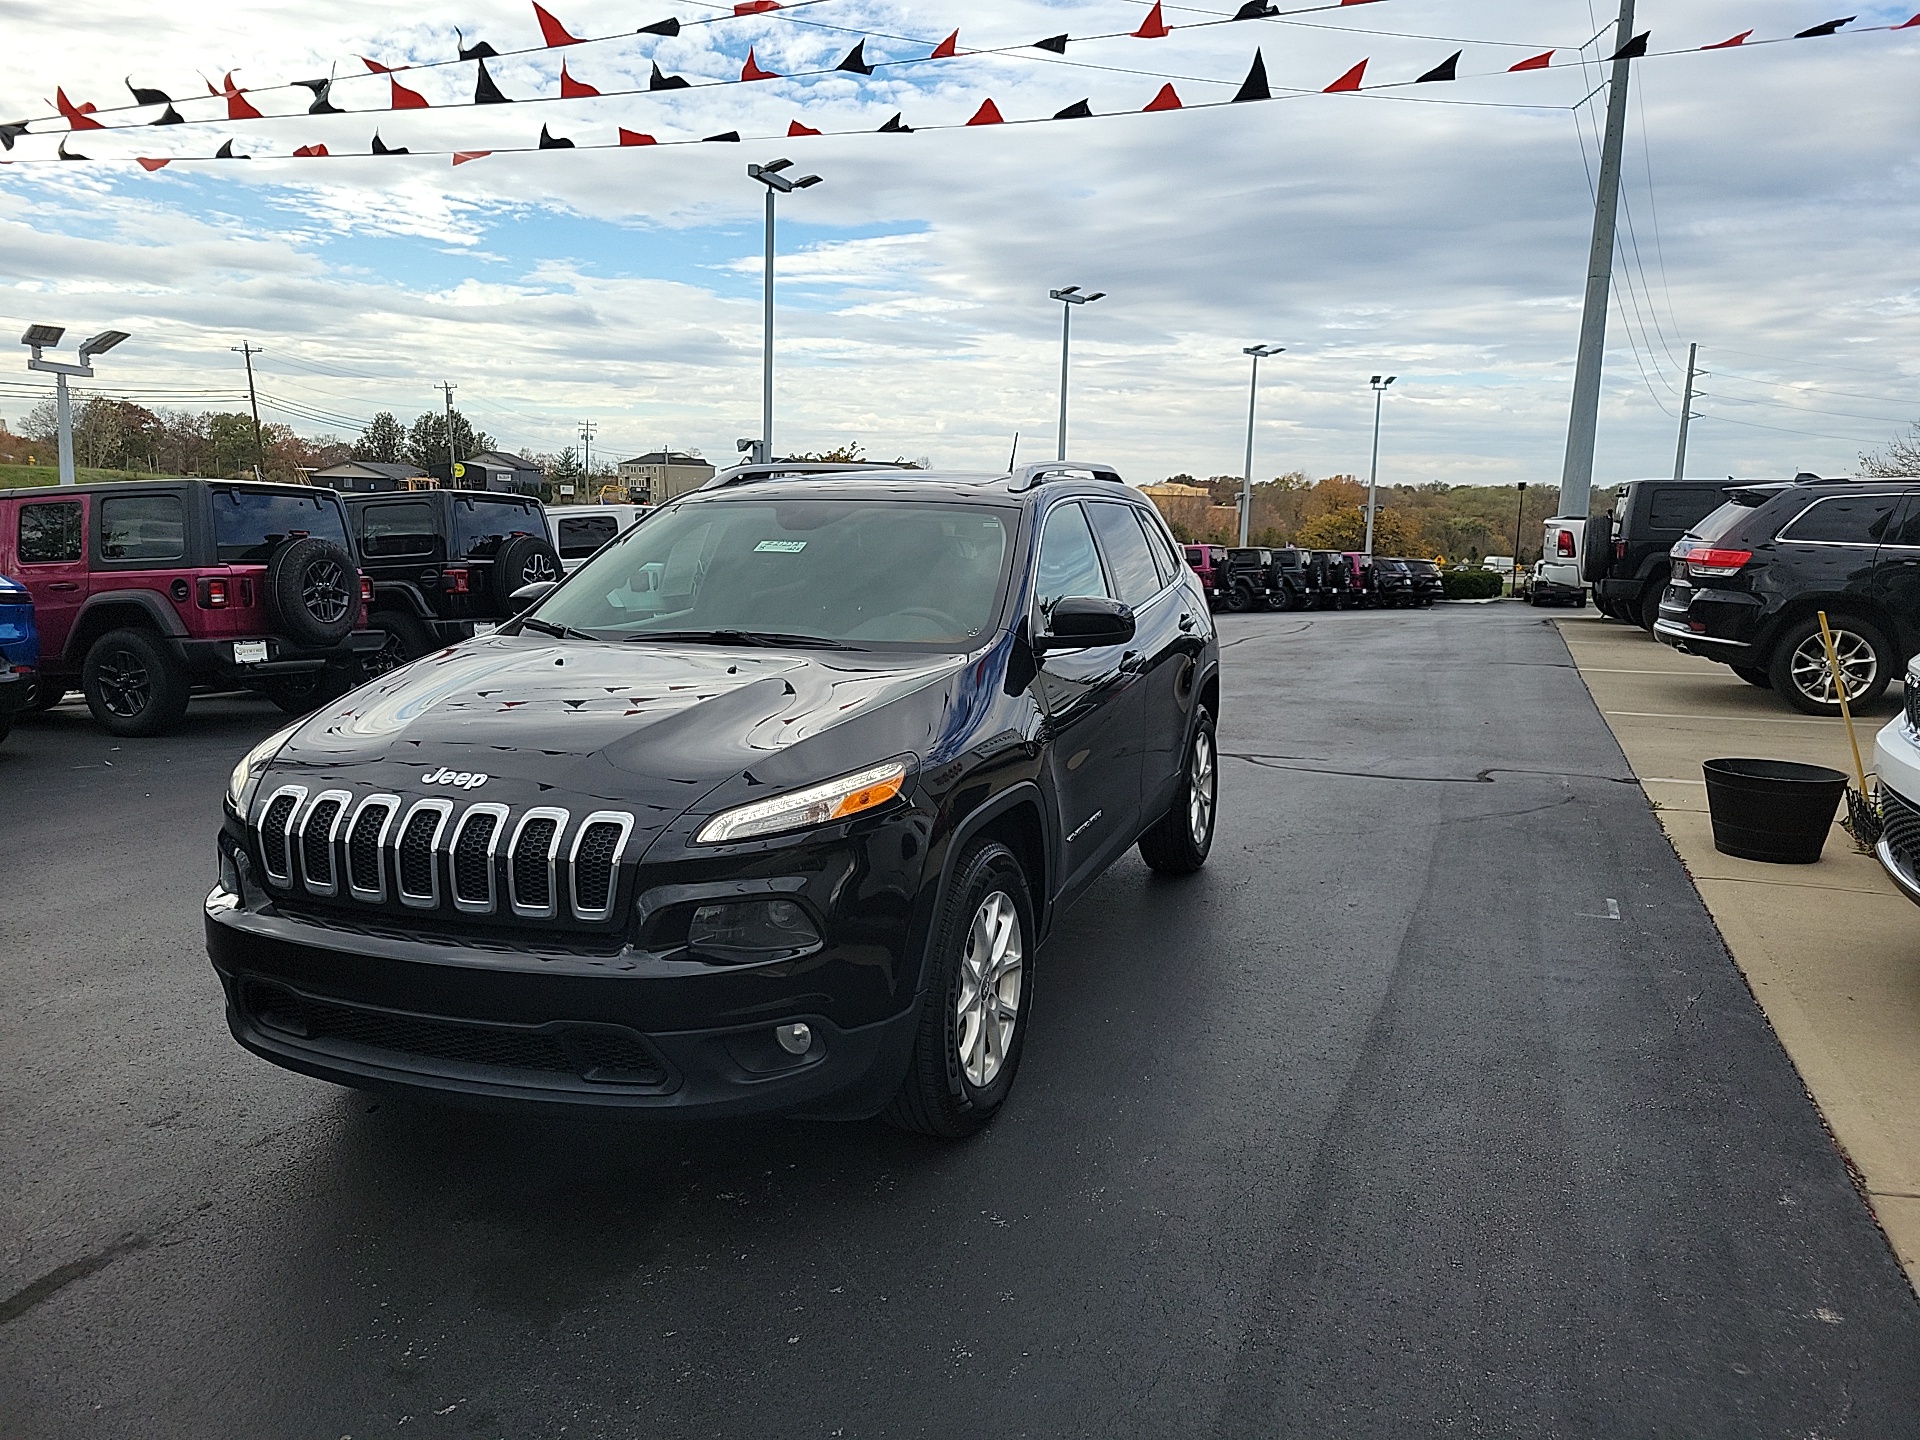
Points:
(780, 547)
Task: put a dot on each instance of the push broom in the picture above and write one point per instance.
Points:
(1863, 819)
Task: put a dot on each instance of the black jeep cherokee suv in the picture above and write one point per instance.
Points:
(444, 562)
(1749, 581)
(768, 806)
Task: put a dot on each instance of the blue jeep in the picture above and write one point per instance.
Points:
(19, 652)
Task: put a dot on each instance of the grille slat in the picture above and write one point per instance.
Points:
(415, 868)
(316, 844)
(364, 870)
(473, 858)
(531, 864)
(274, 821)
(1913, 709)
(593, 867)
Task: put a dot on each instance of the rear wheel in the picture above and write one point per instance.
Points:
(133, 686)
(1236, 599)
(1281, 599)
(1805, 680)
(406, 639)
(1649, 609)
(1179, 842)
(1754, 675)
(973, 1024)
(307, 691)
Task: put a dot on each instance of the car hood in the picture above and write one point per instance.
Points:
(559, 721)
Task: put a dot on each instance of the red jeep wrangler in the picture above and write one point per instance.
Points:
(145, 589)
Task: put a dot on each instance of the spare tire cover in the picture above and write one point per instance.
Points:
(313, 592)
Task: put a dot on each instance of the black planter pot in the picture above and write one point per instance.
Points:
(1772, 810)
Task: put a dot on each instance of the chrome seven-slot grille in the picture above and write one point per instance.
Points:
(480, 861)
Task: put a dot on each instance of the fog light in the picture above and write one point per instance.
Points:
(229, 874)
(743, 930)
(795, 1039)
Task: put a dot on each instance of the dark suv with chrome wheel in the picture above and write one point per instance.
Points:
(145, 590)
(768, 806)
(1750, 581)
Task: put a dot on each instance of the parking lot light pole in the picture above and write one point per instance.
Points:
(1519, 519)
(1373, 478)
(1068, 296)
(773, 177)
(40, 337)
(1259, 353)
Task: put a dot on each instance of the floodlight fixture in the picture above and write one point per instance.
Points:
(777, 184)
(42, 336)
(101, 343)
(1072, 296)
(1263, 352)
(1259, 353)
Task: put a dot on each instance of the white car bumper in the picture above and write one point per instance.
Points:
(1896, 757)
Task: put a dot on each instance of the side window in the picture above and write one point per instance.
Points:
(1844, 520)
(143, 527)
(1134, 573)
(581, 535)
(1162, 548)
(1069, 565)
(1673, 510)
(1907, 530)
(397, 531)
(50, 534)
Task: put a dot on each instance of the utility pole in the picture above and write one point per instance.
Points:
(1686, 414)
(1576, 476)
(587, 427)
(452, 459)
(1373, 478)
(247, 350)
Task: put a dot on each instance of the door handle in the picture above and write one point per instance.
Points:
(63, 585)
(1186, 622)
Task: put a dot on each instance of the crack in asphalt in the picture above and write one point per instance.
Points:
(1483, 777)
(54, 1281)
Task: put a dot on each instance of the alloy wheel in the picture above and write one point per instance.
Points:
(323, 591)
(1200, 789)
(126, 689)
(537, 569)
(389, 657)
(1813, 676)
(988, 1006)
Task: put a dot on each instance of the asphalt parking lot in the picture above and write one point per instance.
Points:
(1434, 1105)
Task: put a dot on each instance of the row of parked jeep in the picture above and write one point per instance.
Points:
(1293, 579)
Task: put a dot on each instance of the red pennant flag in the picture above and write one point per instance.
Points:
(405, 99)
(76, 114)
(152, 165)
(1908, 25)
(796, 129)
(947, 48)
(987, 114)
(239, 108)
(554, 33)
(756, 7)
(1154, 27)
(1538, 62)
(461, 157)
(752, 71)
(1356, 2)
(377, 68)
(572, 89)
(1167, 99)
(1349, 81)
(310, 151)
(634, 137)
(1739, 39)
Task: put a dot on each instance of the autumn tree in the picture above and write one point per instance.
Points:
(1899, 461)
(1347, 530)
(384, 441)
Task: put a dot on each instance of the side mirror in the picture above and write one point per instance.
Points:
(1085, 622)
(527, 596)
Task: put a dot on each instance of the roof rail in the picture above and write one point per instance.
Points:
(1028, 476)
(775, 469)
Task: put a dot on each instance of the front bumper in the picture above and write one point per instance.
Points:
(1896, 759)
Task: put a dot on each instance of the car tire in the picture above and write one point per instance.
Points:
(1236, 599)
(1649, 608)
(133, 686)
(1281, 600)
(1798, 666)
(1753, 675)
(313, 592)
(46, 696)
(407, 640)
(6, 727)
(964, 1060)
(523, 560)
(1181, 839)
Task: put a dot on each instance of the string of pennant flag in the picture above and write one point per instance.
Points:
(71, 118)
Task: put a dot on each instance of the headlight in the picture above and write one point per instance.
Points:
(246, 774)
(816, 805)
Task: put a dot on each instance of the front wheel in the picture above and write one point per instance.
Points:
(305, 691)
(973, 1023)
(1180, 840)
(1800, 672)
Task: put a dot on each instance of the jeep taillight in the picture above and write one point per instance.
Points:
(1619, 549)
(213, 592)
(1563, 545)
(1716, 564)
(455, 580)
(366, 590)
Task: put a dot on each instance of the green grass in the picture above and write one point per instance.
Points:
(20, 476)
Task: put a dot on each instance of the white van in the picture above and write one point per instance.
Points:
(580, 530)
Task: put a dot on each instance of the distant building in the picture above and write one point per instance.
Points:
(488, 471)
(370, 475)
(527, 476)
(1187, 508)
(664, 475)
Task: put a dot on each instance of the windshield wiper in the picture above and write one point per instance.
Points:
(762, 639)
(559, 632)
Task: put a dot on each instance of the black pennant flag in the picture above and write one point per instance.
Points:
(1634, 49)
(482, 51)
(668, 28)
(144, 96)
(1079, 110)
(856, 60)
(731, 136)
(1256, 10)
(11, 132)
(554, 142)
(225, 152)
(666, 82)
(169, 116)
(1254, 87)
(383, 149)
(1056, 43)
(1832, 27)
(1447, 69)
(66, 154)
(896, 126)
(485, 92)
(322, 97)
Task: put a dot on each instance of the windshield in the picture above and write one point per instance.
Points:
(247, 524)
(847, 572)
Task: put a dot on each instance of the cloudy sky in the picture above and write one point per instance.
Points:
(1437, 232)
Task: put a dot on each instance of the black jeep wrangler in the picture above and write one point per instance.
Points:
(444, 564)
(1625, 554)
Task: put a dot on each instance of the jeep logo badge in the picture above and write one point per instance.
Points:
(460, 779)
